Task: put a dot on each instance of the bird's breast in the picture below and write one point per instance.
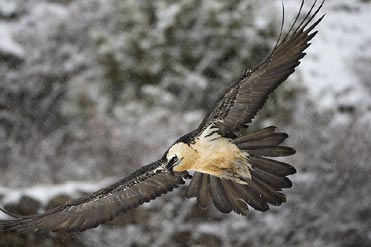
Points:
(214, 156)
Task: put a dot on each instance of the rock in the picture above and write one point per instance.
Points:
(25, 206)
(207, 240)
(13, 239)
(64, 2)
(57, 201)
(182, 238)
(11, 59)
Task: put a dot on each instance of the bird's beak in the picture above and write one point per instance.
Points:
(169, 167)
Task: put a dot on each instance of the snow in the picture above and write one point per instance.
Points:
(8, 28)
(7, 7)
(328, 68)
(45, 192)
(49, 10)
(7, 43)
(169, 12)
(304, 177)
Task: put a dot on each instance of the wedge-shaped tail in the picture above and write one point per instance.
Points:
(268, 177)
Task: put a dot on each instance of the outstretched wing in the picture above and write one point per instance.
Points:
(89, 211)
(238, 105)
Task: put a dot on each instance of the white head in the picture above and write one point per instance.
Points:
(180, 157)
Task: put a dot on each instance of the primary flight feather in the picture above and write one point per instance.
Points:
(232, 170)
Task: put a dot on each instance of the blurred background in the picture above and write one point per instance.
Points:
(91, 90)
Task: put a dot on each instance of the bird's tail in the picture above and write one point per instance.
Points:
(268, 176)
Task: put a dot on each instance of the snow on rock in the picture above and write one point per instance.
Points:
(8, 45)
(7, 8)
(44, 193)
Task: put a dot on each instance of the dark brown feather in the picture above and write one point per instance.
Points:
(194, 186)
(220, 198)
(236, 198)
(272, 179)
(267, 193)
(251, 196)
(271, 140)
(256, 135)
(272, 166)
(204, 197)
(273, 151)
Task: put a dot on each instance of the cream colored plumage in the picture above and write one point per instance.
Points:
(212, 154)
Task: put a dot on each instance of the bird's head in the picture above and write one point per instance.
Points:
(180, 157)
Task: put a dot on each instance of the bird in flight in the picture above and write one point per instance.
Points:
(232, 170)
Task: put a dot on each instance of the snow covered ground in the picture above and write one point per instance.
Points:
(330, 125)
(342, 43)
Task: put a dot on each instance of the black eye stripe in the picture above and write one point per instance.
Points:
(174, 159)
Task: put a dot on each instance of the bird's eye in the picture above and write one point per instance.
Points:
(174, 159)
